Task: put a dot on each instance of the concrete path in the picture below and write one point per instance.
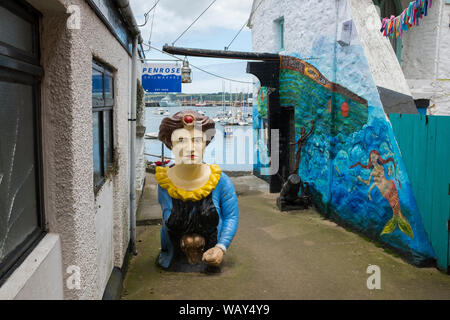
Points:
(297, 255)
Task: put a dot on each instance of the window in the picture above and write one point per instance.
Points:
(21, 213)
(102, 121)
(280, 30)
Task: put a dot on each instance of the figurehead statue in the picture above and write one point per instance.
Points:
(198, 201)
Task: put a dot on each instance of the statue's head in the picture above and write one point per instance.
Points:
(187, 133)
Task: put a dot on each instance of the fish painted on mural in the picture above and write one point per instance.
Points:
(387, 189)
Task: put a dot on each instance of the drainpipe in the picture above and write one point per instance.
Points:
(127, 14)
(133, 149)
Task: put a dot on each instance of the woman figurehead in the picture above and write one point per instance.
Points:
(186, 193)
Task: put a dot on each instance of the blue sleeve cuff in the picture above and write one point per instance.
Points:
(221, 246)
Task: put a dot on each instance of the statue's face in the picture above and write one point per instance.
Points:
(188, 145)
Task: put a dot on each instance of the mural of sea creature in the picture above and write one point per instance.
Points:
(387, 189)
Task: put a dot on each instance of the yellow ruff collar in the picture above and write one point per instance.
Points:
(185, 195)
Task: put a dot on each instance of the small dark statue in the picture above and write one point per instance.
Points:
(289, 198)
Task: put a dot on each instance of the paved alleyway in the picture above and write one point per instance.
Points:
(275, 255)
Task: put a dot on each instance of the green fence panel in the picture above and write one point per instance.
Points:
(424, 142)
(441, 190)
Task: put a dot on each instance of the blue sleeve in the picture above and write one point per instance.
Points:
(166, 203)
(230, 211)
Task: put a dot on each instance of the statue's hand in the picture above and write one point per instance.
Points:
(213, 256)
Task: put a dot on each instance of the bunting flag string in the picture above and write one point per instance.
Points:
(416, 10)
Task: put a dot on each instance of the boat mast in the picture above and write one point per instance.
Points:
(223, 93)
(231, 100)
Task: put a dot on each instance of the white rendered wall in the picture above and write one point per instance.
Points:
(383, 62)
(304, 19)
(40, 275)
(104, 224)
(94, 228)
(140, 143)
(426, 58)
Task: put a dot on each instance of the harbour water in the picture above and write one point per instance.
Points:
(233, 153)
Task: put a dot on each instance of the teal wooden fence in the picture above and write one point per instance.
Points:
(424, 142)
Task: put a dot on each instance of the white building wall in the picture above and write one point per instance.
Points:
(425, 69)
(104, 217)
(383, 62)
(304, 19)
(426, 59)
(92, 230)
(140, 144)
(39, 276)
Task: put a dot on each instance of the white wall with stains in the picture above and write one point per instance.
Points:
(426, 58)
(92, 228)
(299, 37)
(425, 69)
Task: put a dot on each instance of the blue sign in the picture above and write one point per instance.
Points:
(161, 78)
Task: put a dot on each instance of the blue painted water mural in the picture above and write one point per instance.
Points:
(260, 132)
(351, 143)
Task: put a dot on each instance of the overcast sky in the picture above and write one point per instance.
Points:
(214, 30)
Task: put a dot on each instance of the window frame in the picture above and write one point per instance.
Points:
(18, 66)
(280, 32)
(101, 106)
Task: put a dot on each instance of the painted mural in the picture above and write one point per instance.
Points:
(261, 133)
(352, 161)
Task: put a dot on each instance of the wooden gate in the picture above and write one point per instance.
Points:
(424, 142)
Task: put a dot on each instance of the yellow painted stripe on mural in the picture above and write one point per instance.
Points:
(443, 79)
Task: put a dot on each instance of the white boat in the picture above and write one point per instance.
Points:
(201, 103)
(228, 131)
(160, 111)
(232, 121)
(168, 102)
(151, 135)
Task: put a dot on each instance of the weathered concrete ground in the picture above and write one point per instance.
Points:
(297, 255)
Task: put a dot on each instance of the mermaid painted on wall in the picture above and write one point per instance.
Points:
(387, 189)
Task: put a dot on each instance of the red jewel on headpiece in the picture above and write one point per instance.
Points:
(188, 119)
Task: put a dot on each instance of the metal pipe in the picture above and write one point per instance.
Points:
(127, 14)
(157, 156)
(132, 147)
(167, 60)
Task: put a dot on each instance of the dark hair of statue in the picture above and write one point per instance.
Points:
(174, 122)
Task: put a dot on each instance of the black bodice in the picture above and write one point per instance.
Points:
(198, 217)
